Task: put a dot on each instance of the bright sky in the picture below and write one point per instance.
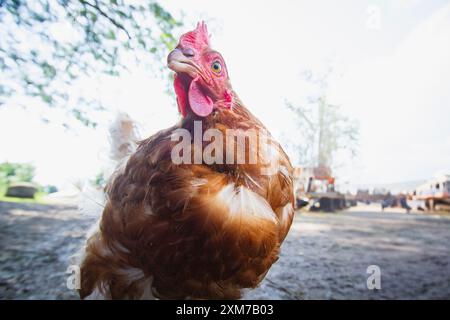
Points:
(392, 74)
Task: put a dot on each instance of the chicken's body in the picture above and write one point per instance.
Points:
(190, 230)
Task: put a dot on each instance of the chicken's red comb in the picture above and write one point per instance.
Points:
(196, 39)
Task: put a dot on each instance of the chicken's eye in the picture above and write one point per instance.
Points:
(216, 67)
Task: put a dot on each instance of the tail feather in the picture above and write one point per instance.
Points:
(123, 136)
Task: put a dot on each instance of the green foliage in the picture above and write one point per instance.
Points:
(15, 172)
(49, 189)
(47, 45)
(18, 172)
(99, 181)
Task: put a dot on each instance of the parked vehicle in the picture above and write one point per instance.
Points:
(435, 193)
(316, 188)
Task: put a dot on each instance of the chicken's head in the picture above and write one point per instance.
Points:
(201, 78)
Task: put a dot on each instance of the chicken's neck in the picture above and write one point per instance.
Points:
(225, 121)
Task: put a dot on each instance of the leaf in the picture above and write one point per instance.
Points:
(111, 35)
(45, 67)
(48, 70)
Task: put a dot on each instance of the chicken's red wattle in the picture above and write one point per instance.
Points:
(200, 103)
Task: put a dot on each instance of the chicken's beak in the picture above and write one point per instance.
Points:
(180, 63)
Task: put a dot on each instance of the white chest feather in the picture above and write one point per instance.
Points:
(243, 201)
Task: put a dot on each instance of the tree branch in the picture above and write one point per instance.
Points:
(104, 14)
(301, 114)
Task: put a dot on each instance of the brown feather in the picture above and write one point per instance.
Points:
(179, 234)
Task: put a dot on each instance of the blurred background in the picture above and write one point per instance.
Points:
(357, 92)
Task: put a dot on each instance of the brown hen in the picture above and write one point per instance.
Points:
(201, 228)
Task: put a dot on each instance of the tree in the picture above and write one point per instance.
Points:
(15, 172)
(46, 45)
(325, 131)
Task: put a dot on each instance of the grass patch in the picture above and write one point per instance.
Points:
(38, 198)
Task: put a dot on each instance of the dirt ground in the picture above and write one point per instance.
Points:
(325, 256)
